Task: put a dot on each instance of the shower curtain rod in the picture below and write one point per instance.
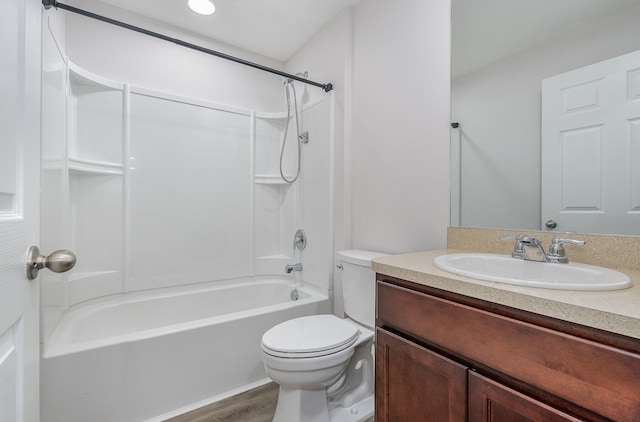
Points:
(53, 3)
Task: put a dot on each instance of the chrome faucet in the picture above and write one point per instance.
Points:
(530, 249)
(556, 250)
(293, 267)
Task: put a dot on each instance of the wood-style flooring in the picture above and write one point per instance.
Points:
(257, 405)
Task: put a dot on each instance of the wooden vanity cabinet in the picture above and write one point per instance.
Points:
(447, 357)
(413, 382)
(489, 400)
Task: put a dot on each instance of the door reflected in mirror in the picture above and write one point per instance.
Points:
(502, 50)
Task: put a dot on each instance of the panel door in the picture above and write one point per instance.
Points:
(19, 167)
(591, 148)
(491, 401)
(416, 384)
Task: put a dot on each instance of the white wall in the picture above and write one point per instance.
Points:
(395, 115)
(416, 177)
(391, 98)
(498, 108)
(124, 55)
(400, 139)
(52, 222)
(155, 163)
(327, 57)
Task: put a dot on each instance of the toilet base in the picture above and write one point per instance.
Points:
(295, 405)
(358, 412)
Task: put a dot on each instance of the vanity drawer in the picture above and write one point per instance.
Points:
(597, 377)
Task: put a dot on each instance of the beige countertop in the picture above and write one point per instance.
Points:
(617, 311)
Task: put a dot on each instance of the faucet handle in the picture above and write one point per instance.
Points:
(518, 247)
(557, 252)
(299, 240)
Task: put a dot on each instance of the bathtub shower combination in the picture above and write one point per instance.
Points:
(149, 356)
(183, 225)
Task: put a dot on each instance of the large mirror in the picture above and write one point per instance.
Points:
(518, 152)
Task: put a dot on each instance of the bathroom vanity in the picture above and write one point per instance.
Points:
(450, 348)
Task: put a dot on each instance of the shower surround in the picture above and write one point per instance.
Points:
(153, 190)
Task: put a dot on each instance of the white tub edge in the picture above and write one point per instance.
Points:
(52, 349)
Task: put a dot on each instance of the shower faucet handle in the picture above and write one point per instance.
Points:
(299, 240)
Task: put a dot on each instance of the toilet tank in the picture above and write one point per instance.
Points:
(359, 285)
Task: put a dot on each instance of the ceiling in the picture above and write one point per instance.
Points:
(485, 31)
(273, 28)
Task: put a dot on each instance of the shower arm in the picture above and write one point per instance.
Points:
(54, 3)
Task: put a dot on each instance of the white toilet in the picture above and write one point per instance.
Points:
(324, 364)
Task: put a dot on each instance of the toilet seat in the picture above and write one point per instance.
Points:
(310, 336)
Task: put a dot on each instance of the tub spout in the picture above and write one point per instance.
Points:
(293, 267)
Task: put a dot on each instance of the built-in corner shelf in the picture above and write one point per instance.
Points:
(95, 167)
(265, 115)
(275, 257)
(91, 275)
(81, 76)
(271, 179)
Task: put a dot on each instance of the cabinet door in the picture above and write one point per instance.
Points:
(416, 384)
(491, 401)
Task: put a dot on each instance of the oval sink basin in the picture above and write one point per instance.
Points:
(505, 269)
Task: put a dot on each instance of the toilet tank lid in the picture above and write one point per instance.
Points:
(358, 257)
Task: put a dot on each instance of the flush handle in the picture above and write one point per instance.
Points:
(58, 262)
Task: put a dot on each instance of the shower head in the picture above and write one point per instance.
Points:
(286, 81)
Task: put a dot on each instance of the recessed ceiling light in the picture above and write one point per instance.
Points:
(202, 7)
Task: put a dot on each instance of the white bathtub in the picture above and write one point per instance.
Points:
(148, 356)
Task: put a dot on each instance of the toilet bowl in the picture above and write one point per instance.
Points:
(308, 357)
(322, 363)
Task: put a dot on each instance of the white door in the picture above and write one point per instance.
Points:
(19, 216)
(591, 148)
